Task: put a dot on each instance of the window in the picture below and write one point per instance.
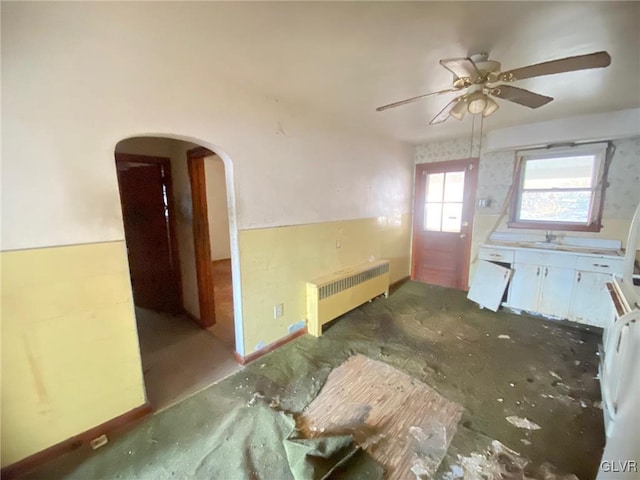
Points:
(443, 202)
(560, 189)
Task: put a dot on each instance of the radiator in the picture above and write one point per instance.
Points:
(333, 295)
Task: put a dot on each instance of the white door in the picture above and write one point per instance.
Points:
(523, 293)
(555, 291)
(590, 302)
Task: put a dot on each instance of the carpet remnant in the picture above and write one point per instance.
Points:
(258, 441)
(404, 424)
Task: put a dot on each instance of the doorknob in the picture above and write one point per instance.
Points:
(462, 235)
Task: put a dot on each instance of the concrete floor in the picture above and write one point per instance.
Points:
(543, 371)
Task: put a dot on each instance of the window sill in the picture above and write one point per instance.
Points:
(555, 226)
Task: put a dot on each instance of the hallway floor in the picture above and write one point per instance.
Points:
(179, 358)
(496, 365)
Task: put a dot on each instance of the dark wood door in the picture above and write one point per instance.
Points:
(144, 194)
(443, 221)
(201, 245)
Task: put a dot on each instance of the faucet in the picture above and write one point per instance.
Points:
(549, 237)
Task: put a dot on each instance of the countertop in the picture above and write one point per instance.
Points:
(557, 248)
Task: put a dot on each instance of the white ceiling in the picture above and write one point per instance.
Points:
(342, 60)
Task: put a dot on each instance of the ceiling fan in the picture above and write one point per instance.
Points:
(477, 75)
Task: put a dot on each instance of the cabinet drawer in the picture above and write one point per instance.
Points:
(546, 259)
(496, 255)
(600, 265)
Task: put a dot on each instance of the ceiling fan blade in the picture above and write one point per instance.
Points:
(445, 113)
(520, 95)
(414, 99)
(569, 64)
(461, 67)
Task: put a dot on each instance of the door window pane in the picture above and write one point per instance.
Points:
(454, 187)
(451, 216)
(443, 201)
(432, 216)
(435, 187)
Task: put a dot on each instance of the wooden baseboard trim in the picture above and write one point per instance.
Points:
(194, 319)
(398, 283)
(83, 439)
(269, 348)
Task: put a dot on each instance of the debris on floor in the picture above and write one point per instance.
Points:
(499, 462)
(254, 399)
(216, 434)
(523, 423)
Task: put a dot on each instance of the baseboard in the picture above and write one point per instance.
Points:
(398, 283)
(269, 348)
(194, 319)
(77, 441)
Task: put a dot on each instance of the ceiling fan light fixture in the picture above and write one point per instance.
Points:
(491, 107)
(459, 110)
(477, 103)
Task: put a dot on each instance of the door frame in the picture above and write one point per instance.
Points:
(165, 162)
(463, 281)
(201, 241)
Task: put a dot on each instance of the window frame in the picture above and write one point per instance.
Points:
(601, 167)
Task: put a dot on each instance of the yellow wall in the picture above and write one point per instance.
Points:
(70, 355)
(276, 262)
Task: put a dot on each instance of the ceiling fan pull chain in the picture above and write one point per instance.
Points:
(480, 140)
(473, 126)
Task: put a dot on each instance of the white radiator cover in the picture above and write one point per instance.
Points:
(330, 296)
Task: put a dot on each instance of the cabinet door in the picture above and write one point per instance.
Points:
(523, 292)
(590, 302)
(555, 291)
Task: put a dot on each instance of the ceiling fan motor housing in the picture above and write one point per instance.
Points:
(489, 67)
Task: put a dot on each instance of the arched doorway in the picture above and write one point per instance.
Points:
(174, 205)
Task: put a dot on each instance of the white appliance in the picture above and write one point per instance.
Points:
(619, 373)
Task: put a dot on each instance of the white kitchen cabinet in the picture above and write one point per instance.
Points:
(492, 281)
(523, 291)
(541, 289)
(559, 284)
(591, 302)
(556, 286)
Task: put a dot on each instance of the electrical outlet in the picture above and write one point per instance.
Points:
(338, 243)
(98, 442)
(278, 311)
